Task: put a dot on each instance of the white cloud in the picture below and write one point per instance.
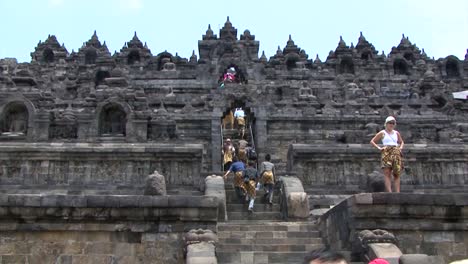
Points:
(131, 4)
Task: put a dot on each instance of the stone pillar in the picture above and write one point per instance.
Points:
(260, 131)
(214, 186)
(41, 127)
(139, 130)
(86, 127)
(297, 201)
(216, 140)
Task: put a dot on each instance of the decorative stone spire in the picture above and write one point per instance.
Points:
(209, 34)
(193, 58)
(49, 51)
(134, 51)
(466, 55)
(365, 46)
(342, 44)
(291, 47)
(228, 32)
(263, 58)
(317, 59)
(135, 42)
(247, 35)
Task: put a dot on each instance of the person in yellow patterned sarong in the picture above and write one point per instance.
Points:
(250, 183)
(239, 115)
(228, 154)
(268, 177)
(238, 168)
(391, 158)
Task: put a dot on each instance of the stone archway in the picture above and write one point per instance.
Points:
(112, 121)
(15, 119)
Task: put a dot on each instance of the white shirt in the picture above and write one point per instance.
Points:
(390, 139)
(239, 113)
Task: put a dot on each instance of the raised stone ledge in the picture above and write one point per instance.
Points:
(411, 199)
(108, 207)
(214, 187)
(101, 147)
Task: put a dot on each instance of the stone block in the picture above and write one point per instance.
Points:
(363, 198)
(420, 258)
(155, 184)
(298, 205)
(387, 251)
(32, 200)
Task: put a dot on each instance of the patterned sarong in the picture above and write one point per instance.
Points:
(267, 177)
(391, 158)
(250, 188)
(227, 156)
(242, 155)
(240, 121)
(239, 180)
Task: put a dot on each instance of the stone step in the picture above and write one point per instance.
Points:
(270, 241)
(251, 225)
(231, 197)
(278, 257)
(268, 248)
(254, 216)
(258, 207)
(268, 234)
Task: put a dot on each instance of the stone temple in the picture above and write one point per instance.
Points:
(81, 132)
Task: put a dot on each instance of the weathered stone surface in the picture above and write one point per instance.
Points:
(155, 184)
(214, 186)
(298, 205)
(420, 258)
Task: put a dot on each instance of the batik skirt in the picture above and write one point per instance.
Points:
(392, 158)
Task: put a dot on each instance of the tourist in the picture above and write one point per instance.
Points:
(268, 177)
(228, 154)
(239, 115)
(250, 182)
(392, 162)
(379, 261)
(238, 168)
(322, 256)
(241, 150)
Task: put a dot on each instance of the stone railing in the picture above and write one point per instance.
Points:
(422, 223)
(101, 229)
(347, 167)
(119, 167)
(294, 201)
(214, 186)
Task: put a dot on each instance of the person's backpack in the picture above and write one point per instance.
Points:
(251, 154)
(250, 174)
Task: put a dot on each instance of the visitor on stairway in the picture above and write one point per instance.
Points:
(241, 150)
(250, 182)
(391, 157)
(238, 168)
(251, 153)
(228, 154)
(239, 115)
(268, 177)
(379, 261)
(322, 256)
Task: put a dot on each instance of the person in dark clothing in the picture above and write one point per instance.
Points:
(250, 181)
(238, 168)
(268, 177)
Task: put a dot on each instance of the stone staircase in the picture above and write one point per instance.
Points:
(262, 236)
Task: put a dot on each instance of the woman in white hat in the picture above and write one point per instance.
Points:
(391, 153)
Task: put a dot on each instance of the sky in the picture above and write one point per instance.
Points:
(440, 27)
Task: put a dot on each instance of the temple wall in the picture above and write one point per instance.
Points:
(422, 223)
(347, 167)
(100, 229)
(107, 166)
